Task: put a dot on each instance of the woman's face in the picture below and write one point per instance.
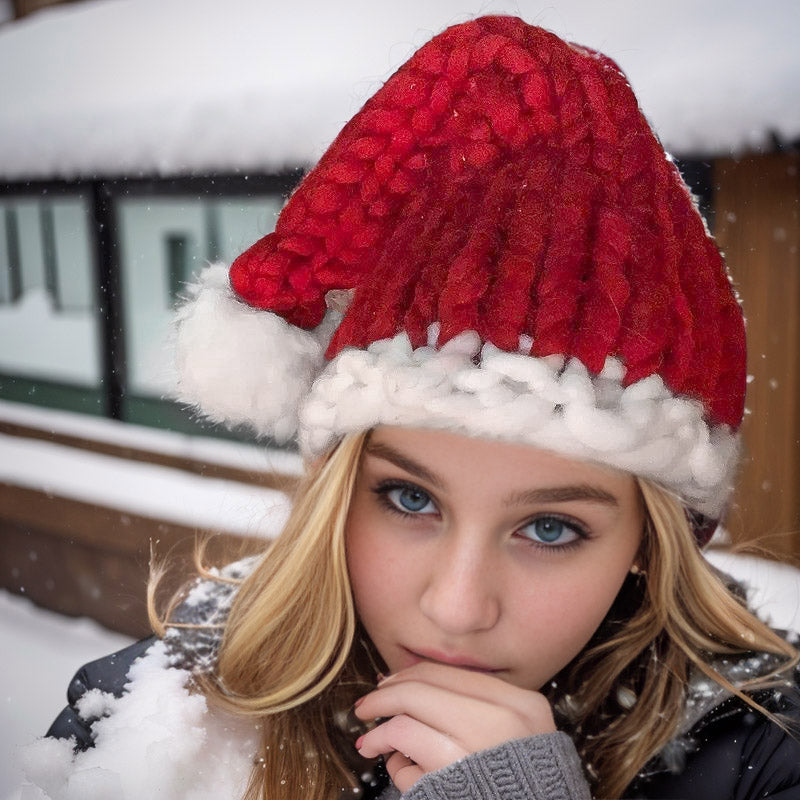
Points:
(486, 555)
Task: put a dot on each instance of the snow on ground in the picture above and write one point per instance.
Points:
(132, 86)
(41, 652)
(774, 588)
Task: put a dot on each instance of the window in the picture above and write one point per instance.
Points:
(164, 242)
(49, 319)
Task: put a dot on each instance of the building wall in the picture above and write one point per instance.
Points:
(757, 225)
(67, 554)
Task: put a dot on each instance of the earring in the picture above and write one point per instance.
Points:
(637, 570)
(626, 697)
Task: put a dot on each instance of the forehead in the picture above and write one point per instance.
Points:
(454, 458)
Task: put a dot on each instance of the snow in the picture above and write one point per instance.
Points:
(139, 437)
(55, 345)
(142, 749)
(143, 86)
(774, 588)
(42, 650)
(142, 488)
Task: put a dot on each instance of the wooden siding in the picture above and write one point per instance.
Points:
(81, 559)
(756, 225)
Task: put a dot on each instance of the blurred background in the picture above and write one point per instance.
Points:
(141, 139)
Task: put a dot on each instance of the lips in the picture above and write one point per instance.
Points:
(452, 660)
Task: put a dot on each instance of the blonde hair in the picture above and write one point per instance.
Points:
(290, 654)
(287, 653)
(677, 615)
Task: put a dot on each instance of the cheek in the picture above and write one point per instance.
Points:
(366, 578)
(596, 597)
(360, 568)
(584, 611)
(376, 571)
(560, 620)
(579, 603)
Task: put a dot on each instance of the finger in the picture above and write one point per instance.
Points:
(426, 747)
(403, 771)
(488, 687)
(471, 725)
(437, 707)
(476, 723)
(481, 685)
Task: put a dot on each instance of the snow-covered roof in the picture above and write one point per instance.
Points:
(122, 87)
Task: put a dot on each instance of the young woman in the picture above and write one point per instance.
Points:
(504, 340)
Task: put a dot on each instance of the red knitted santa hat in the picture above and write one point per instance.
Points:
(521, 261)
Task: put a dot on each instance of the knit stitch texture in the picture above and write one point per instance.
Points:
(543, 767)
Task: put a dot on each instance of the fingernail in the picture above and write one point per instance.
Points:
(358, 742)
(358, 702)
(380, 677)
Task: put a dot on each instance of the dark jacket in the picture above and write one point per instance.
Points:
(737, 754)
(732, 753)
(108, 674)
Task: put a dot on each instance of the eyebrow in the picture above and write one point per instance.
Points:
(387, 453)
(555, 494)
(562, 494)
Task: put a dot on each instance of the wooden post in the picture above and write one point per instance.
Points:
(757, 202)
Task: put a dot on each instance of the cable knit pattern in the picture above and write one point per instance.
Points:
(479, 390)
(502, 186)
(513, 177)
(543, 767)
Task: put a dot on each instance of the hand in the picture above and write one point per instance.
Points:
(439, 714)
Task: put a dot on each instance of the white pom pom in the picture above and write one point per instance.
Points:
(241, 365)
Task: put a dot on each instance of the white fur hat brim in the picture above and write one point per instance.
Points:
(249, 367)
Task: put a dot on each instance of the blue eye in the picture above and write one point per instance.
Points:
(552, 530)
(411, 500)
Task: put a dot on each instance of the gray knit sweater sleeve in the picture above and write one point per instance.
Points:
(542, 767)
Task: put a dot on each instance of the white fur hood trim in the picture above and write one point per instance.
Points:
(156, 740)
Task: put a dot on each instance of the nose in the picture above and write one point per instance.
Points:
(461, 595)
